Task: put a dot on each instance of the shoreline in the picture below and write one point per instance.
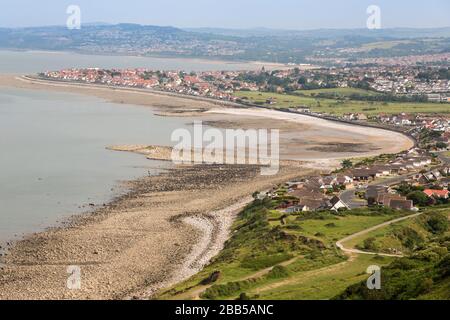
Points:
(222, 103)
(145, 232)
(140, 234)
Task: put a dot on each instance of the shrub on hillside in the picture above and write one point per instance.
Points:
(437, 224)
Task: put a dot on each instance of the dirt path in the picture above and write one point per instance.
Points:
(341, 246)
(305, 275)
(195, 294)
(352, 253)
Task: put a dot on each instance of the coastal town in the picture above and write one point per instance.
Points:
(407, 85)
(410, 84)
(401, 182)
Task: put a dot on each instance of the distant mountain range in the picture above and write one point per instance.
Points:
(288, 46)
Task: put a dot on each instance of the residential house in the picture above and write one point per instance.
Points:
(382, 171)
(399, 204)
(337, 203)
(314, 205)
(296, 209)
(363, 174)
(343, 180)
(372, 192)
(443, 194)
(385, 199)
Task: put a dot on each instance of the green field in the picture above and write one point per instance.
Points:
(271, 255)
(339, 92)
(384, 44)
(340, 107)
(424, 272)
(402, 236)
(324, 283)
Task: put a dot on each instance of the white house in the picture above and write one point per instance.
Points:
(337, 203)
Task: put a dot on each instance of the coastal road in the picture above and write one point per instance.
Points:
(340, 243)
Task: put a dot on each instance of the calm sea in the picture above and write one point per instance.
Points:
(53, 161)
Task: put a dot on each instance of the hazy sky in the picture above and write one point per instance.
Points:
(281, 14)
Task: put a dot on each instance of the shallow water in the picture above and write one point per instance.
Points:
(53, 158)
(36, 61)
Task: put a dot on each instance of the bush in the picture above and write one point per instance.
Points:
(409, 237)
(444, 266)
(227, 289)
(261, 262)
(213, 277)
(243, 296)
(278, 272)
(370, 244)
(419, 198)
(437, 224)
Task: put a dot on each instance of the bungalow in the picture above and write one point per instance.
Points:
(363, 174)
(443, 194)
(429, 176)
(296, 209)
(445, 171)
(337, 203)
(287, 204)
(437, 175)
(385, 199)
(382, 171)
(444, 182)
(372, 192)
(398, 204)
(396, 168)
(343, 180)
(326, 183)
(313, 205)
(422, 179)
(307, 193)
(424, 160)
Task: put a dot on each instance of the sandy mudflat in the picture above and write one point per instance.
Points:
(168, 226)
(301, 137)
(163, 231)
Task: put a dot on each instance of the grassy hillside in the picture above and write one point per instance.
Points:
(424, 273)
(404, 237)
(272, 255)
(339, 106)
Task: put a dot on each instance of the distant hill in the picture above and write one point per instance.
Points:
(329, 33)
(288, 46)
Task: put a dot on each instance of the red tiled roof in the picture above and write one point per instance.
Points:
(439, 193)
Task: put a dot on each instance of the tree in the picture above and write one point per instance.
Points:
(346, 164)
(419, 198)
(438, 224)
(370, 244)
